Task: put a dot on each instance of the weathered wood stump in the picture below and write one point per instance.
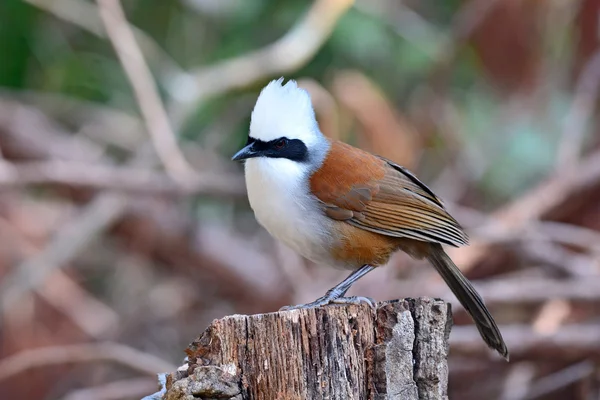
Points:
(397, 351)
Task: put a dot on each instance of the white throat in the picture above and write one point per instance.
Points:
(278, 191)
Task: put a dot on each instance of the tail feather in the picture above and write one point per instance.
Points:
(469, 298)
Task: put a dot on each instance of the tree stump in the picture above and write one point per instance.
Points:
(346, 352)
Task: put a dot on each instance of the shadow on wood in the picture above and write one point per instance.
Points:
(397, 351)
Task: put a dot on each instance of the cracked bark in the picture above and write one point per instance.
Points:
(397, 351)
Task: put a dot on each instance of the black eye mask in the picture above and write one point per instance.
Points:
(292, 149)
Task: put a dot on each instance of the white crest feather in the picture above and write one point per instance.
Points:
(284, 110)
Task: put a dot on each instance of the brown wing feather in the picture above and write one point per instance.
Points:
(377, 195)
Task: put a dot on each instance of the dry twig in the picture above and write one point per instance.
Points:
(325, 107)
(547, 199)
(580, 113)
(78, 353)
(25, 132)
(123, 179)
(496, 292)
(145, 91)
(518, 380)
(569, 342)
(75, 235)
(102, 212)
(85, 15)
(285, 55)
(560, 379)
(551, 316)
(538, 289)
(123, 389)
(89, 314)
(408, 24)
(384, 130)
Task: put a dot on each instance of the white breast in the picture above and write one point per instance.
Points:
(279, 195)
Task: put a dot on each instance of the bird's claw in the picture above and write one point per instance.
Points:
(356, 300)
(306, 306)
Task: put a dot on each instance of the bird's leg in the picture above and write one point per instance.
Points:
(335, 295)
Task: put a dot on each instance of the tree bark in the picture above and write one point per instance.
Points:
(396, 351)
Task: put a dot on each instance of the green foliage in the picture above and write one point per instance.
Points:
(17, 22)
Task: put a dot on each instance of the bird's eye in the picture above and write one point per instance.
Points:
(280, 144)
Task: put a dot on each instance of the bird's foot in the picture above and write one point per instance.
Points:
(326, 300)
(356, 300)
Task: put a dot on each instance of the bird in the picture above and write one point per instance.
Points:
(343, 207)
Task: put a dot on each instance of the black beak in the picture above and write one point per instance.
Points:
(245, 153)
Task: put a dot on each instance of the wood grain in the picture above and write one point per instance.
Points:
(397, 351)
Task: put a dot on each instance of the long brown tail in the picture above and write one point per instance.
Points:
(469, 298)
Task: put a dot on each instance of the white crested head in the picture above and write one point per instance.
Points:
(285, 111)
(284, 148)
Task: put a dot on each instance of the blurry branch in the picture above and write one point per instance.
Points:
(85, 15)
(442, 47)
(493, 231)
(580, 113)
(26, 130)
(325, 107)
(466, 162)
(124, 179)
(566, 234)
(468, 18)
(558, 260)
(383, 128)
(560, 379)
(124, 389)
(216, 242)
(78, 12)
(145, 90)
(213, 8)
(92, 220)
(32, 135)
(408, 24)
(285, 55)
(78, 353)
(551, 316)
(569, 342)
(518, 380)
(63, 293)
(211, 254)
(548, 199)
(174, 246)
(90, 315)
(531, 290)
(99, 122)
(293, 267)
(497, 292)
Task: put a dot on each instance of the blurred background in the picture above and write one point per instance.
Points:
(125, 229)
